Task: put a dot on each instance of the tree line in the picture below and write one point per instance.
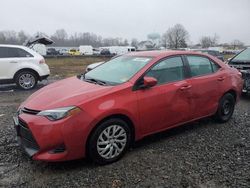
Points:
(175, 37)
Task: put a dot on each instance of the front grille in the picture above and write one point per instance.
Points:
(30, 111)
(26, 136)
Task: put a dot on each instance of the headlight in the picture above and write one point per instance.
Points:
(59, 113)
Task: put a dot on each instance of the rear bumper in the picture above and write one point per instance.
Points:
(44, 77)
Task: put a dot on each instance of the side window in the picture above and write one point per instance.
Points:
(215, 66)
(168, 70)
(7, 52)
(3, 52)
(23, 53)
(199, 65)
(13, 52)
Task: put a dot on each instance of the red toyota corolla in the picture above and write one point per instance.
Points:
(99, 114)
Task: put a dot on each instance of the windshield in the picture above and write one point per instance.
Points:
(118, 70)
(244, 56)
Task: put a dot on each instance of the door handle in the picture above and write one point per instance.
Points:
(221, 78)
(13, 62)
(185, 87)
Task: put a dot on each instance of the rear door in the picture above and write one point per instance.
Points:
(168, 103)
(6, 62)
(206, 79)
(11, 59)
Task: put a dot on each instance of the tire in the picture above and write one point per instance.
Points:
(103, 150)
(225, 108)
(26, 80)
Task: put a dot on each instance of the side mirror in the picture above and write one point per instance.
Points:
(148, 82)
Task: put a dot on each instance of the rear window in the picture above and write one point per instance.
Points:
(201, 65)
(8, 52)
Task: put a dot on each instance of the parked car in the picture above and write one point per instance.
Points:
(213, 53)
(86, 50)
(74, 52)
(94, 65)
(64, 51)
(105, 52)
(242, 62)
(96, 51)
(100, 113)
(53, 51)
(21, 65)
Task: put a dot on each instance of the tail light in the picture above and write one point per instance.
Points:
(42, 61)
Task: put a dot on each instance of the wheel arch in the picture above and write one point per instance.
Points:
(27, 69)
(233, 92)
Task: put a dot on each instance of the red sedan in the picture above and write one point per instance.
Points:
(100, 113)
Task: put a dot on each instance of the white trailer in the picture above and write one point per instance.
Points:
(119, 50)
(86, 50)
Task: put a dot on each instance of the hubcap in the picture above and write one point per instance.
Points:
(111, 141)
(227, 108)
(27, 81)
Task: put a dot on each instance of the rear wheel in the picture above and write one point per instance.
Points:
(225, 108)
(26, 80)
(109, 141)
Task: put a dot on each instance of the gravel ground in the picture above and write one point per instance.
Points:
(201, 154)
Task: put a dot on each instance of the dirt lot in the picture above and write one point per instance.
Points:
(201, 154)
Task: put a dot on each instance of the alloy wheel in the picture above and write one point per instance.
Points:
(27, 81)
(111, 141)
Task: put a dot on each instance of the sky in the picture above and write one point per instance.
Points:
(229, 19)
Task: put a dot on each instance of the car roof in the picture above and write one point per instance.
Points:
(164, 53)
(12, 46)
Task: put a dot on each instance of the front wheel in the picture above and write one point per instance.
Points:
(225, 108)
(109, 141)
(26, 80)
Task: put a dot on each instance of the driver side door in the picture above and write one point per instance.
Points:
(168, 103)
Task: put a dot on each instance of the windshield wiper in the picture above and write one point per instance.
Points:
(92, 80)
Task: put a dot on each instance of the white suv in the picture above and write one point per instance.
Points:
(21, 65)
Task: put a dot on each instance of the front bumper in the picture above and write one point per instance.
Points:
(47, 140)
(25, 137)
(246, 78)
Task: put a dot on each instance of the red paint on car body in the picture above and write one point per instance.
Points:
(150, 110)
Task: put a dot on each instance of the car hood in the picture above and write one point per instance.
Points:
(68, 92)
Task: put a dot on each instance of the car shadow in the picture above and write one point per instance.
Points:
(8, 88)
(182, 129)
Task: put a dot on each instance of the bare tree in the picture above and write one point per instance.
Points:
(22, 37)
(237, 44)
(175, 37)
(2, 38)
(61, 38)
(155, 38)
(125, 42)
(60, 34)
(205, 42)
(134, 42)
(208, 41)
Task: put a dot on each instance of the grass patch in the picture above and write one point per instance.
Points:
(67, 67)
